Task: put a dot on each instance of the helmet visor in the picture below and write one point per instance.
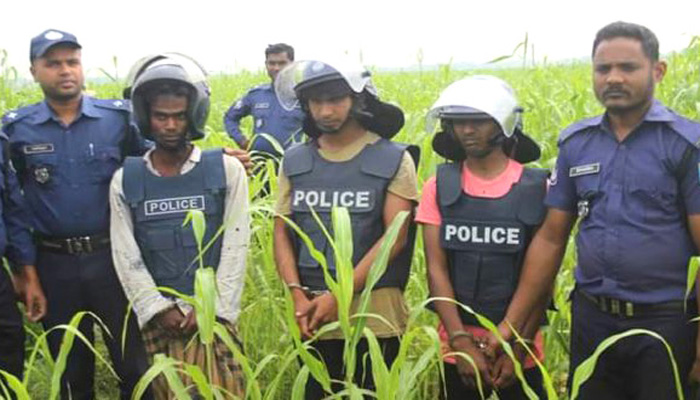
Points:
(306, 74)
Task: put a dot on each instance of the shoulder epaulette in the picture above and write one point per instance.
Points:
(264, 86)
(689, 130)
(113, 104)
(579, 126)
(17, 115)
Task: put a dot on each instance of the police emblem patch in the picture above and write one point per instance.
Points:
(53, 35)
(42, 175)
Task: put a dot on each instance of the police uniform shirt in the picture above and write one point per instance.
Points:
(65, 170)
(387, 302)
(268, 117)
(16, 241)
(138, 284)
(633, 242)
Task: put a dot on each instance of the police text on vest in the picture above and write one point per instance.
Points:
(326, 199)
(482, 234)
(173, 205)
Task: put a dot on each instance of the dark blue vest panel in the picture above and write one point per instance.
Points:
(159, 206)
(360, 185)
(486, 239)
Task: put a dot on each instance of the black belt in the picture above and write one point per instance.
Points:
(73, 245)
(629, 309)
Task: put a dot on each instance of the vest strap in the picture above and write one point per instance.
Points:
(133, 180)
(449, 183)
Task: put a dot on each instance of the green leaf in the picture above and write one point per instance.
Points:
(692, 276)
(15, 385)
(586, 368)
(205, 292)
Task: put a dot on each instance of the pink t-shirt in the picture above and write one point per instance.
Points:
(429, 213)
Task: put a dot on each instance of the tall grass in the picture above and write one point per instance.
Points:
(553, 96)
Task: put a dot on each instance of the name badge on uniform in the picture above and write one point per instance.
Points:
(261, 105)
(581, 170)
(173, 205)
(38, 148)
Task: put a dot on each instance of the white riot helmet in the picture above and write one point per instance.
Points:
(306, 79)
(166, 67)
(480, 96)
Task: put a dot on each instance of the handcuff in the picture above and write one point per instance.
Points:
(479, 342)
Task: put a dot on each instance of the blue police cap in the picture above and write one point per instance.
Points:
(49, 38)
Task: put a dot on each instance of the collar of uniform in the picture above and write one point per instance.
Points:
(45, 113)
(659, 113)
(194, 158)
(656, 113)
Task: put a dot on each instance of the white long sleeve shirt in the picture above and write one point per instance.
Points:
(138, 283)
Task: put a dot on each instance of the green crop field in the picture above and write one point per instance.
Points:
(553, 96)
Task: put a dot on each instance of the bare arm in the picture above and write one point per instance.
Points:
(392, 206)
(542, 261)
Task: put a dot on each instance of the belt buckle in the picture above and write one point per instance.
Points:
(77, 245)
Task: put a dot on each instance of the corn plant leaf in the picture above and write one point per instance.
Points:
(71, 331)
(692, 276)
(299, 388)
(546, 379)
(271, 139)
(200, 381)
(14, 384)
(206, 293)
(252, 386)
(586, 368)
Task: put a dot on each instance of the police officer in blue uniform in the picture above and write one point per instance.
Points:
(66, 149)
(268, 116)
(15, 244)
(630, 178)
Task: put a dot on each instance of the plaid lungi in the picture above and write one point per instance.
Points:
(226, 372)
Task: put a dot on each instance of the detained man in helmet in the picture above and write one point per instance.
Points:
(479, 214)
(150, 197)
(348, 162)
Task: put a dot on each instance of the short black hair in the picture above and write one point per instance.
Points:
(650, 44)
(167, 88)
(278, 48)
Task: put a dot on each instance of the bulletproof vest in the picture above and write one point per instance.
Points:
(159, 206)
(486, 239)
(360, 185)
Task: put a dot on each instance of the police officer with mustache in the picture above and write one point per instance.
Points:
(630, 179)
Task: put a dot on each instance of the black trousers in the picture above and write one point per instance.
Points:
(456, 390)
(88, 282)
(637, 367)
(11, 329)
(331, 352)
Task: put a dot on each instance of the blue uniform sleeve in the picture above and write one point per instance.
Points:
(233, 116)
(690, 182)
(562, 191)
(134, 143)
(20, 247)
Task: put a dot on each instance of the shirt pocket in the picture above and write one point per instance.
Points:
(103, 162)
(657, 198)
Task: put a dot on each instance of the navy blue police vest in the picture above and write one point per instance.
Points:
(159, 206)
(360, 185)
(486, 239)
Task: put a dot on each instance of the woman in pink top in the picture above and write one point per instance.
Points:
(478, 214)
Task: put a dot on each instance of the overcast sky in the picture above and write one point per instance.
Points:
(228, 36)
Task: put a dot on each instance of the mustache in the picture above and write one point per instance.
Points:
(615, 90)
